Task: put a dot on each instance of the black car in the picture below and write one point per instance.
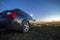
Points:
(15, 19)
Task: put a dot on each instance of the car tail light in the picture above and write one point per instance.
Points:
(11, 14)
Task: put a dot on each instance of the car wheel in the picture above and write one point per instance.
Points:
(25, 26)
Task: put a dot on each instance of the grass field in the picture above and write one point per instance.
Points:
(36, 33)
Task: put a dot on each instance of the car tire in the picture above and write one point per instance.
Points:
(25, 27)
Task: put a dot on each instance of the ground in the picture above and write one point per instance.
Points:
(36, 33)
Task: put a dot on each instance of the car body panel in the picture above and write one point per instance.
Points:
(14, 23)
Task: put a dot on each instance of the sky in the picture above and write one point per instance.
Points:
(38, 9)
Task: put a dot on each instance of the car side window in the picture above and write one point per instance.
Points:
(20, 16)
(17, 14)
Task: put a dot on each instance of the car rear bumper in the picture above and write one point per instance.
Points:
(5, 22)
(9, 24)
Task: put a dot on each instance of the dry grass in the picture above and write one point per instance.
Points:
(36, 33)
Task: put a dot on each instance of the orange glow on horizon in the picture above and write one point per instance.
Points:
(48, 21)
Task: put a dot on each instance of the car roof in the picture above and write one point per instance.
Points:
(19, 11)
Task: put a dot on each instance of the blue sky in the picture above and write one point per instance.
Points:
(39, 9)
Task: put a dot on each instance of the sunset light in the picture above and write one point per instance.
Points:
(55, 18)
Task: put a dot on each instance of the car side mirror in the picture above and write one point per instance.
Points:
(34, 20)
